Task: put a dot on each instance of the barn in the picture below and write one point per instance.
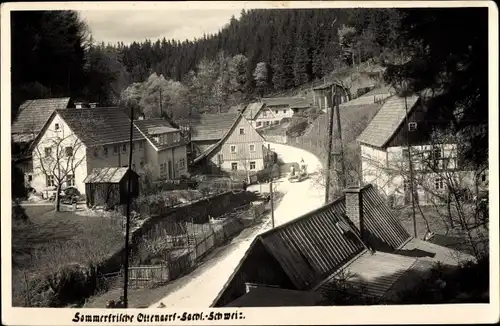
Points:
(108, 187)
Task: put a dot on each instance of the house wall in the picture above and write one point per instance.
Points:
(243, 155)
(383, 168)
(116, 156)
(64, 137)
(175, 155)
(271, 115)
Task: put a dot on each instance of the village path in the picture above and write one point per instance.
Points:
(208, 280)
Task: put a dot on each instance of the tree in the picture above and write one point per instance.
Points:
(261, 76)
(48, 55)
(59, 153)
(446, 53)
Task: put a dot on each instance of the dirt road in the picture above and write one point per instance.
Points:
(299, 198)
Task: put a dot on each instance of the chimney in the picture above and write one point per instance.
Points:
(354, 207)
(94, 105)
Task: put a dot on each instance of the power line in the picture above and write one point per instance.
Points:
(129, 202)
(330, 144)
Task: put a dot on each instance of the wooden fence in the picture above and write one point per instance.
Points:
(182, 260)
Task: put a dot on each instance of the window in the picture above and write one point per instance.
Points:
(258, 124)
(133, 166)
(276, 122)
(116, 149)
(49, 181)
(177, 137)
(70, 180)
(438, 183)
(242, 131)
(69, 151)
(30, 177)
(252, 165)
(233, 148)
(220, 159)
(124, 148)
(234, 166)
(141, 164)
(56, 126)
(483, 178)
(182, 163)
(268, 123)
(437, 153)
(252, 148)
(276, 111)
(405, 153)
(105, 151)
(412, 126)
(140, 145)
(48, 151)
(163, 168)
(284, 111)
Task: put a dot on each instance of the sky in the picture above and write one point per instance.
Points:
(128, 26)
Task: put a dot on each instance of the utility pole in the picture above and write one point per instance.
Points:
(330, 143)
(271, 192)
(410, 165)
(341, 149)
(127, 225)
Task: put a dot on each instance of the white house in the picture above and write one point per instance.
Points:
(75, 141)
(272, 110)
(385, 153)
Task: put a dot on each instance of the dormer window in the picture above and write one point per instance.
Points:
(242, 131)
(412, 126)
(56, 126)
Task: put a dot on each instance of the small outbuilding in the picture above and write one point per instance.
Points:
(108, 187)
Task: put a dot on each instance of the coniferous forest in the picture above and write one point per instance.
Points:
(263, 51)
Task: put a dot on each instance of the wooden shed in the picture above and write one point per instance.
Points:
(108, 187)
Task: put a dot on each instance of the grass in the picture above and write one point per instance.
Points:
(55, 239)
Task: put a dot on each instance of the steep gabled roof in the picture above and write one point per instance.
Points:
(387, 121)
(150, 127)
(100, 126)
(312, 247)
(211, 126)
(226, 134)
(33, 114)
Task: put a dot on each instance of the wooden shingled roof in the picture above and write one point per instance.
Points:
(388, 120)
(211, 126)
(33, 114)
(106, 175)
(100, 126)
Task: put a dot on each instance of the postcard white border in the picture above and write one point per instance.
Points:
(404, 314)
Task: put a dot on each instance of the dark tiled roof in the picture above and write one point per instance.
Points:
(292, 102)
(149, 127)
(106, 175)
(387, 121)
(380, 222)
(100, 126)
(311, 247)
(33, 114)
(212, 126)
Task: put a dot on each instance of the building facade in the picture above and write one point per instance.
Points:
(227, 143)
(400, 132)
(269, 111)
